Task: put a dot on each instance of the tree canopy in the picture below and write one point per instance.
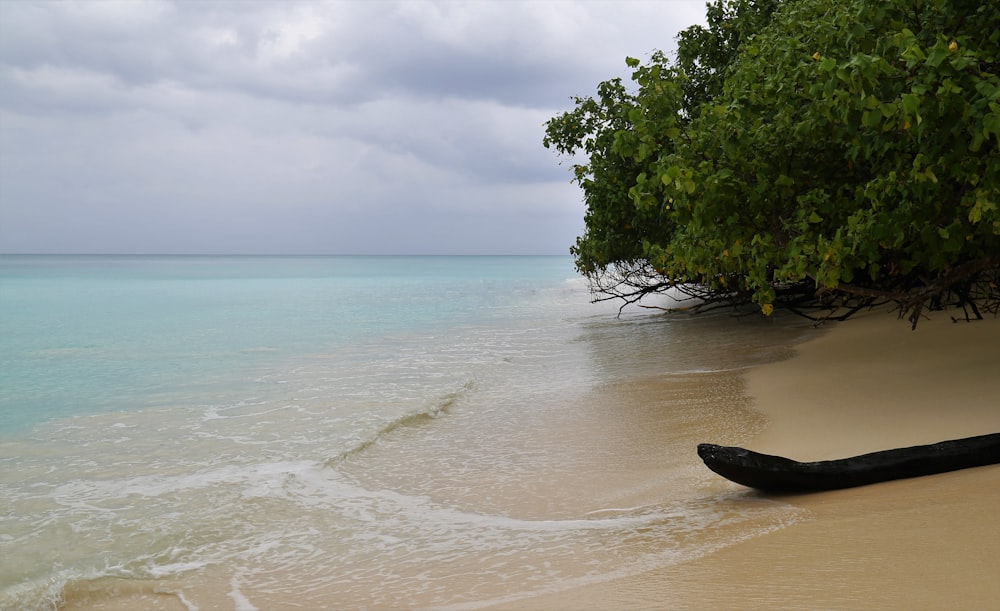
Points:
(816, 155)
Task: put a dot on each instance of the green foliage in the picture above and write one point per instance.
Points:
(618, 156)
(704, 54)
(828, 150)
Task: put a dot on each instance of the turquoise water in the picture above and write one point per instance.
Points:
(354, 432)
(82, 335)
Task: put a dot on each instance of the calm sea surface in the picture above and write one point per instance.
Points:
(352, 432)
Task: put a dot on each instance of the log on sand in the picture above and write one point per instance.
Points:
(780, 474)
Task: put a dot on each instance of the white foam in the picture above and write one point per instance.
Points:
(190, 606)
(241, 602)
(158, 571)
(85, 492)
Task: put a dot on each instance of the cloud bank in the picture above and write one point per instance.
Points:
(301, 127)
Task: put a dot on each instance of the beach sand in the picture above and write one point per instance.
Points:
(925, 543)
(866, 384)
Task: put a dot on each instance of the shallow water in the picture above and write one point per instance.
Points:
(358, 432)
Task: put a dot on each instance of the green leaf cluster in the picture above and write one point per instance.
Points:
(847, 146)
(616, 140)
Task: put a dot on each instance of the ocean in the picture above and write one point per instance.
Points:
(251, 432)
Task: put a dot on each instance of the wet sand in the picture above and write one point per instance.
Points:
(926, 543)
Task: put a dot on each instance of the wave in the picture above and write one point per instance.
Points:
(607, 544)
(696, 528)
(414, 419)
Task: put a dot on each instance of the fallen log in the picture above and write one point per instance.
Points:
(780, 474)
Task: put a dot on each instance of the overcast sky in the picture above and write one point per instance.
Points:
(338, 127)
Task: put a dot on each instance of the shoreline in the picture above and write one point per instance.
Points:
(868, 384)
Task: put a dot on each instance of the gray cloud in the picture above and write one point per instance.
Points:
(301, 126)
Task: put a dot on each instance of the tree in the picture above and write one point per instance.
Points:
(812, 154)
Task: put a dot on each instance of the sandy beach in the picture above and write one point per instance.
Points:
(927, 543)
(863, 385)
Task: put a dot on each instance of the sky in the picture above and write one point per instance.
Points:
(287, 127)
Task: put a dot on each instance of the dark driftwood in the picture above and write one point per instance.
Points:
(779, 474)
